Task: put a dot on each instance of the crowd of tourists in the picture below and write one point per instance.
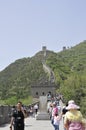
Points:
(19, 113)
(70, 114)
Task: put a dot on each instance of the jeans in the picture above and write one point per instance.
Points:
(56, 127)
(52, 120)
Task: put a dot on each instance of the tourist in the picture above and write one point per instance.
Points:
(50, 110)
(54, 111)
(73, 119)
(36, 108)
(56, 121)
(64, 110)
(17, 119)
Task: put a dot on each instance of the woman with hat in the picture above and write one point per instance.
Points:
(73, 119)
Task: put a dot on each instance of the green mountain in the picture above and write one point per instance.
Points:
(17, 78)
(69, 67)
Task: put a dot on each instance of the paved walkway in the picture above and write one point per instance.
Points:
(33, 124)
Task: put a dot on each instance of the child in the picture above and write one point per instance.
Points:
(56, 122)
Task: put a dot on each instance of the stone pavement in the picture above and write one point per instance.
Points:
(32, 124)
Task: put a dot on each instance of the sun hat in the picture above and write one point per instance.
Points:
(72, 106)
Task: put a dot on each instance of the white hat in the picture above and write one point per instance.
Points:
(72, 105)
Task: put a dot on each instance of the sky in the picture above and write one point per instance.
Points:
(27, 25)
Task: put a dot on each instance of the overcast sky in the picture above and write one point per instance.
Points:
(27, 25)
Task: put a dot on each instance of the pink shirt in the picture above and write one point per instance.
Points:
(54, 111)
(75, 126)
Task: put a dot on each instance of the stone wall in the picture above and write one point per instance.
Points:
(42, 90)
(4, 114)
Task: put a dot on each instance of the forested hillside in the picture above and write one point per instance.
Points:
(69, 67)
(17, 78)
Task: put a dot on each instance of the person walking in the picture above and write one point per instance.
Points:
(73, 119)
(64, 110)
(17, 119)
(36, 108)
(54, 111)
(56, 121)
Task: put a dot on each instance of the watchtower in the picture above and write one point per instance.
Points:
(43, 89)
